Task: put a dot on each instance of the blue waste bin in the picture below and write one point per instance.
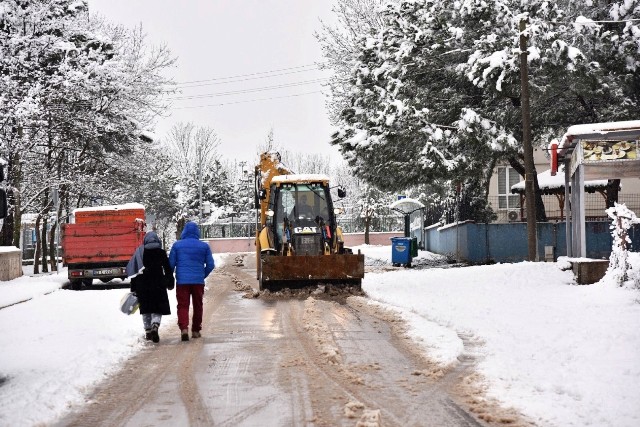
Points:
(401, 251)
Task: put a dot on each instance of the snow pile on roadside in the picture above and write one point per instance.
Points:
(26, 287)
(56, 347)
(564, 355)
(381, 255)
(442, 344)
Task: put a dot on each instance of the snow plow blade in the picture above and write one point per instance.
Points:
(304, 270)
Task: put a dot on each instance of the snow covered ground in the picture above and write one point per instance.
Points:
(564, 355)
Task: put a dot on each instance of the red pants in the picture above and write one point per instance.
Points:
(183, 295)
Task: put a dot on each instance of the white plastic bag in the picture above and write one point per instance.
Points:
(129, 303)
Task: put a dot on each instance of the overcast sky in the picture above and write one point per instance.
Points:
(245, 47)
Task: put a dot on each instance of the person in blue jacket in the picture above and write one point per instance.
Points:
(192, 261)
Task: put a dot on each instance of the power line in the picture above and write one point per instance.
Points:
(243, 80)
(251, 76)
(249, 100)
(241, 91)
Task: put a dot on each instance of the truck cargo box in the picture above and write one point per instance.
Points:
(125, 213)
(101, 242)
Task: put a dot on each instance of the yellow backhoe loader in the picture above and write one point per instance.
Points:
(298, 242)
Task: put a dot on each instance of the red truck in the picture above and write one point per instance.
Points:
(101, 242)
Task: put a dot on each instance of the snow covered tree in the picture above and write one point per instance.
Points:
(370, 203)
(622, 220)
(436, 91)
(77, 95)
(339, 43)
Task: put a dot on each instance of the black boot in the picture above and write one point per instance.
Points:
(154, 332)
(147, 334)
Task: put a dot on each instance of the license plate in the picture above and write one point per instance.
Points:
(103, 272)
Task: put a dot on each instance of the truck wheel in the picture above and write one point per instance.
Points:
(76, 284)
(87, 282)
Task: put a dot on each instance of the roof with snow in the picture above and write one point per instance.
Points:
(599, 131)
(110, 207)
(555, 184)
(297, 178)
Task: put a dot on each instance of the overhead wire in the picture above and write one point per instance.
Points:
(245, 77)
(248, 100)
(251, 90)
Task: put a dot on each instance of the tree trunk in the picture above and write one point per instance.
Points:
(17, 219)
(12, 221)
(45, 265)
(541, 213)
(53, 259)
(367, 222)
(36, 253)
(613, 187)
(180, 226)
(6, 236)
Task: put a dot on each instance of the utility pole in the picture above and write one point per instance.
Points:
(199, 153)
(530, 197)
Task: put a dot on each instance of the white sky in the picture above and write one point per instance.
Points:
(234, 38)
(562, 354)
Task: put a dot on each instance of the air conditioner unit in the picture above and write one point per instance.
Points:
(513, 215)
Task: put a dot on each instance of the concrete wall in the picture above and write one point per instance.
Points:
(10, 263)
(355, 239)
(480, 243)
(233, 244)
(246, 244)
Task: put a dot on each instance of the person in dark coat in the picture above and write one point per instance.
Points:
(193, 261)
(151, 276)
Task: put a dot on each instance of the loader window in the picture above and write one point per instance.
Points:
(309, 203)
(298, 205)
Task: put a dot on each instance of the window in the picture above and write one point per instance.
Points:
(507, 176)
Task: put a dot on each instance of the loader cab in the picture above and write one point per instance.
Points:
(300, 208)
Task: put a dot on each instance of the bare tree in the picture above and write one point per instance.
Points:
(195, 153)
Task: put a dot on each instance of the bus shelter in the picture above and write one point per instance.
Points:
(593, 151)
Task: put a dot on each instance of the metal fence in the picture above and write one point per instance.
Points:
(388, 221)
(384, 222)
(228, 230)
(381, 223)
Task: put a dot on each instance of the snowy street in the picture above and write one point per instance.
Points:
(488, 132)
(557, 353)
